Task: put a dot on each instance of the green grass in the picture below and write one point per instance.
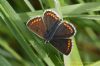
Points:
(20, 47)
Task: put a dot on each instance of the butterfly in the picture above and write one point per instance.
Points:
(54, 30)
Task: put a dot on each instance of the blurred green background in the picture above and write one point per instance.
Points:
(20, 47)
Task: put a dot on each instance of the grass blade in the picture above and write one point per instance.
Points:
(4, 62)
(11, 24)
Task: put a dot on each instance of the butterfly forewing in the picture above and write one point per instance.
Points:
(65, 30)
(63, 45)
(50, 18)
(37, 26)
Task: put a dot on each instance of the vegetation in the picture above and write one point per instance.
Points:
(20, 47)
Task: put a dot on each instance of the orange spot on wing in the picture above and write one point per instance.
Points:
(68, 45)
(56, 18)
(52, 15)
(32, 22)
(65, 24)
(47, 14)
(35, 21)
(39, 19)
(68, 27)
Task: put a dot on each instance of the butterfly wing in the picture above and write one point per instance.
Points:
(50, 18)
(65, 30)
(37, 26)
(63, 45)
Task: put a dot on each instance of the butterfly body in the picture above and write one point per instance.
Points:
(53, 29)
(50, 33)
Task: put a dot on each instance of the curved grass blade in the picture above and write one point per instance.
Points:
(81, 8)
(4, 62)
(5, 45)
(10, 19)
(94, 64)
(90, 17)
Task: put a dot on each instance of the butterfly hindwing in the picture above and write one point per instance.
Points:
(65, 30)
(37, 26)
(63, 45)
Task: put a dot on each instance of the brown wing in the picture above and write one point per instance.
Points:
(65, 30)
(37, 26)
(50, 18)
(63, 45)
